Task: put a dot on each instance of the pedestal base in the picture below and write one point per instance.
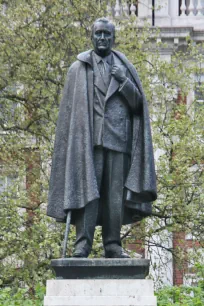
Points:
(100, 282)
(100, 292)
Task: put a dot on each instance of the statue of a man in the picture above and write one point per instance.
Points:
(103, 164)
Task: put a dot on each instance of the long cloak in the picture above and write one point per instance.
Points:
(73, 180)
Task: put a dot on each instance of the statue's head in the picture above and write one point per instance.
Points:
(103, 36)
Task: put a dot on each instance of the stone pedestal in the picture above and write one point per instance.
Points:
(100, 292)
(118, 282)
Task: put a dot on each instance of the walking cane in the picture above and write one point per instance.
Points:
(68, 222)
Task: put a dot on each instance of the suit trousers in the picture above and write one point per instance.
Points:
(111, 171)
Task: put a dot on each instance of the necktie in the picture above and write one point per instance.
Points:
(105, 69)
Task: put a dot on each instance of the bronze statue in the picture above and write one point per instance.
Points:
(103, 165)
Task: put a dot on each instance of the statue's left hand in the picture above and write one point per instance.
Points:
(118, 73)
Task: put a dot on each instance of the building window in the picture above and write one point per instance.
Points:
(6, 183)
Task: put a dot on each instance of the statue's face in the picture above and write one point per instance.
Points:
(103, 38)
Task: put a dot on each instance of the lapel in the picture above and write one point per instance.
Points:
(114, 84)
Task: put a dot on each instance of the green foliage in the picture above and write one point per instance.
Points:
(22, 297)
(183, 295)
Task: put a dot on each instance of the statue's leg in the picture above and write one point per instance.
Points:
(116, 168)
(85, 222)
(86, 218)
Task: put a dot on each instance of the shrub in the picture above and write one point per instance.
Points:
(22, 297)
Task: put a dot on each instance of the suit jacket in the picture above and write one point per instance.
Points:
(73, 180)
(113, 109)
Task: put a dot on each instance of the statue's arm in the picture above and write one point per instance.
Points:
(130, 92)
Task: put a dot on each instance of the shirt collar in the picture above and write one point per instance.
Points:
(108, 58)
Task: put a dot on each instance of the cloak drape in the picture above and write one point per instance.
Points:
(73, 181)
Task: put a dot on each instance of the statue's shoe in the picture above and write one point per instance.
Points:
(116, 253)
(81, 253)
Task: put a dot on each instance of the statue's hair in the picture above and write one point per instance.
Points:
(104, 20)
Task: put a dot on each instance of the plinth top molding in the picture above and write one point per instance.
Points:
(116, 268)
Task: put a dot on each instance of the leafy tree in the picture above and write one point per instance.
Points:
(38, 41)
(178, 141)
